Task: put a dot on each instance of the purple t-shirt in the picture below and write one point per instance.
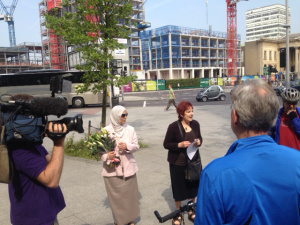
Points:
(32, 202)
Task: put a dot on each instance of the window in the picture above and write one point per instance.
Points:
(214, 88)
(265, 55)
(275, 55)
(270, 55)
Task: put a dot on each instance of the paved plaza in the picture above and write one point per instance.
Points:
(83, 185)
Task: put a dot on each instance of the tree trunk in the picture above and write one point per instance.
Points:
(104, 102)
(106, 67)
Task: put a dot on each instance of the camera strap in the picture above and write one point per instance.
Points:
(56, 136)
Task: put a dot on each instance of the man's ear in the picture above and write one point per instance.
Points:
(235, 117)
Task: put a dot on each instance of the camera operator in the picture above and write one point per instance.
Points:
(35, 195)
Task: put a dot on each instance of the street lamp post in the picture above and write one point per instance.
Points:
(287, 64)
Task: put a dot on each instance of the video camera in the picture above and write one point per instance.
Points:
(27, 121)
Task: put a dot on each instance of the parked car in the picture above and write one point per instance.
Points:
(214, 92)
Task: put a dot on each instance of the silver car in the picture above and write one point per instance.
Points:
(213, 92)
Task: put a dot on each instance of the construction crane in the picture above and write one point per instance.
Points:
(8, 17)
(232, 37)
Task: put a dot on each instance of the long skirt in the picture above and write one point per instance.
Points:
(123, 198)
(182, 189)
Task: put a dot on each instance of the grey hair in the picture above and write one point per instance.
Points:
(256, 105)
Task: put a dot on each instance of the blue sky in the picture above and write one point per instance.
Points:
(186, 13)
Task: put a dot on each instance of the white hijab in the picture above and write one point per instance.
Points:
(115, 117)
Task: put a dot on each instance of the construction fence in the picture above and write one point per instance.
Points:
(154, 85)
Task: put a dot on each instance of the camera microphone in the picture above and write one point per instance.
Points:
(42, 106)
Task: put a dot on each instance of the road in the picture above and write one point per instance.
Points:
(149, 100)
(160, 98)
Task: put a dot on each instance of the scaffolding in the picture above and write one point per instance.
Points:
(53, 46)
(25, 56)
(55, 52)
(183, 30)
(170, 47)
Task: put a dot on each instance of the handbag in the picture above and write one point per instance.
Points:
(193, 168)
(6, 166)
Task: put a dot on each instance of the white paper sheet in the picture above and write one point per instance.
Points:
(191, 150)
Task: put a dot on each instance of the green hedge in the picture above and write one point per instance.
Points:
(194, 82)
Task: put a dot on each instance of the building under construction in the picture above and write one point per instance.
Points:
(173, 52)
(25, 56)
(53, 47)
(56, 55)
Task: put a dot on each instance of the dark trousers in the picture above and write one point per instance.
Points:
(170, 102)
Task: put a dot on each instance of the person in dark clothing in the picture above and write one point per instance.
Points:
(177, 155)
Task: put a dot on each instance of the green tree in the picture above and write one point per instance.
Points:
(93, 29)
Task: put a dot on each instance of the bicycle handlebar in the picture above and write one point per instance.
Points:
(167, 217)
(189, 206)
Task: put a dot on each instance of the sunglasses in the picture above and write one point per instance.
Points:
(124, 114)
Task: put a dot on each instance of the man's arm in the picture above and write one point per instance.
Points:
(51, 175)
(295, 121)
(48, 158)
(173, 94)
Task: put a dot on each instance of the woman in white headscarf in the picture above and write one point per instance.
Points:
(119, 169)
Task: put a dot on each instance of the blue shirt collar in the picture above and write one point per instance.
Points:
(245, 143)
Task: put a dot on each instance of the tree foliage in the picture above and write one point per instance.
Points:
(93, 27)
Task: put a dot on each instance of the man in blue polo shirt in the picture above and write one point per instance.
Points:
(257, 181)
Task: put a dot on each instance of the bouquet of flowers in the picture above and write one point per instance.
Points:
(100, 143)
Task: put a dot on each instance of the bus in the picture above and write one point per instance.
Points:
(37, 84)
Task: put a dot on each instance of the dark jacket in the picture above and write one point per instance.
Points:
(173, 137)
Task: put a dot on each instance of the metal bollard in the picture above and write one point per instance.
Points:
(89, 128)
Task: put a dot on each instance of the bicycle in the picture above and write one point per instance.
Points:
(190, 206)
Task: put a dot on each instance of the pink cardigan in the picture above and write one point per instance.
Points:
(127, 159)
